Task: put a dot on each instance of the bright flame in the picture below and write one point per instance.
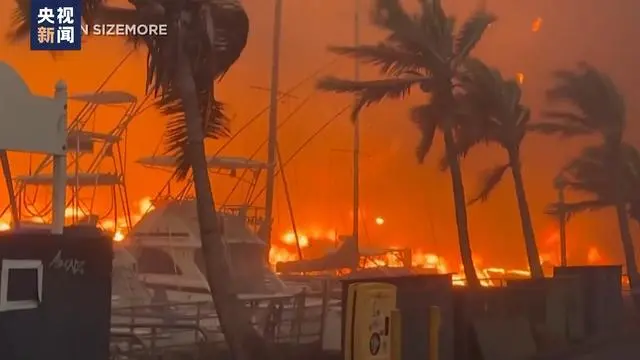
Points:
(488, 275)
(536, 25)
(289, 238)
(379, 220)
(4, 226)
(520, 78)
(145, 205)
(118, 236)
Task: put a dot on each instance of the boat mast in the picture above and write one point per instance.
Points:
(356, 134)
(273, 125)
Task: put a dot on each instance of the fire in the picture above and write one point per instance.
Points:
(593, 256)
(421, 259)
(520, 78)
(289, 238)
(118, 236)
(536, 25)
(379, 220)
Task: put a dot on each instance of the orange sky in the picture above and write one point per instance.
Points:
(414, 200)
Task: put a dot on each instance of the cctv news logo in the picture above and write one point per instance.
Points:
(56, 25)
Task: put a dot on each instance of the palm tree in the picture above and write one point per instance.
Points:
(598, 108)
(497, 116)
(204, 39)
(422, 51)
(589, 174)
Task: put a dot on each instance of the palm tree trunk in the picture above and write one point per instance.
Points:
(623, 220)
(466, 254)
(533, 256)
(231, 314)
(629, 252)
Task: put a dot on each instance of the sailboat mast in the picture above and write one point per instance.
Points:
(356, 133)
(273, 125)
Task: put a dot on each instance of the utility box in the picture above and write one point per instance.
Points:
(601, 292)
(55, 295)
(416, 295)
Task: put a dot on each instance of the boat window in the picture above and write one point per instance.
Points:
(154, 261)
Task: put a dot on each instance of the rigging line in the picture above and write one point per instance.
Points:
(76, 119)
(289, 203)
(263, 143)
(293, 88)
(312, 76)
(304, 145)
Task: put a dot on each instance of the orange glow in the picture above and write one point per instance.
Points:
(320, 178)
(520, 78)
(379, 220)
(488, 275)
(536, 25)
(593, 256)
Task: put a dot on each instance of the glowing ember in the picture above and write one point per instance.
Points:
(379, 220)
(520, 78)
(4, 226)
(536, 25)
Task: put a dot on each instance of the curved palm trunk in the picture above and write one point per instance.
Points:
(233, 320)
(466, 254)
(623, 221)
(533, 256)
(629, 252)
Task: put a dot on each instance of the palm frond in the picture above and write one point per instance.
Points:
(215, 126)
(406, 32)
(598, 104)
(390, 59)
(493, 109)
(489, 180)
(20, 21)
(438, 28)
(568, 210)
(471, 32)
(371, 92)
(426, 117)
(564, 130)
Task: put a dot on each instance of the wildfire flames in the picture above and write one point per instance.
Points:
(286, 248)
(489, 275)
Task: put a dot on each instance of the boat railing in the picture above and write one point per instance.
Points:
(154, 328)
(254, 215)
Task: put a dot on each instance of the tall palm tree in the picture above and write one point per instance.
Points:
(589, 174)
(204, 39)
(597, 108)
(497, 116)
(423, 51)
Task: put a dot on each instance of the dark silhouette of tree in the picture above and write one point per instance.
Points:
(596, 108)
(204, 40)
(424, 51)
(496, 115)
